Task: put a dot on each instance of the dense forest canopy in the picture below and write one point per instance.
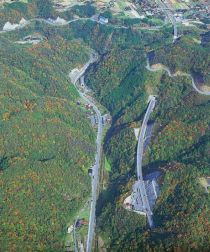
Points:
(47, 144)
(46, 148)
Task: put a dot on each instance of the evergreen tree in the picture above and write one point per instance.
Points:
(45, 8)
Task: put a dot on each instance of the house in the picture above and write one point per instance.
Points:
(106, 119)
(88, 106)
(90, 171)
(103, 20)
(70, 229)
(100, 19)
(94, 120)
(80, 222)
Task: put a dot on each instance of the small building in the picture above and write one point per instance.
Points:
(82, 81)
(88, 106)
(90, 171)
(80, 222)
(68, 248)
(70, 229)
(106, 119)
(100, 19)
(94, 120)
(149, 13)
(59, 6)
(127, 8)
(103, 20)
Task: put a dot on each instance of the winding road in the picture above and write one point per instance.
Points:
(162, 67)
(75, 77)
(56, 24)
(65, 22)
(47, 21)
(95, 175)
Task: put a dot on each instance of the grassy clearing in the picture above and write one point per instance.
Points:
(107, 165)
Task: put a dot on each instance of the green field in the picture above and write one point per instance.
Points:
(107, 165)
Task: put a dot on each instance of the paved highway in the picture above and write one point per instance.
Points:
(95, 174)
(95, 180)
(95, 177)
(57, 24)
(164, 6)
(140, 150)
(60, 24)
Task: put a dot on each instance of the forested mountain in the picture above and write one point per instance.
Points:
(187, 56)
(179, 147)
(47, 143)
